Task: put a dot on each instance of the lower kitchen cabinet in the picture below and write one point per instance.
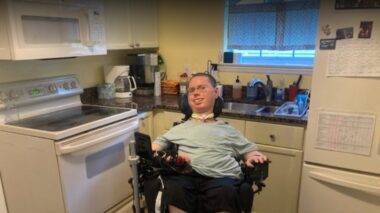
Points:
(164, 120)
(146, 123)
(283, 145)
(237, 124)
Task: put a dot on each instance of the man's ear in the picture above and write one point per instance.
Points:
(216, 92)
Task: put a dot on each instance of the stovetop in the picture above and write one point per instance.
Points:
(67, 118)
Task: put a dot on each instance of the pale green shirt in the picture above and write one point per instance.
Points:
(212, 147)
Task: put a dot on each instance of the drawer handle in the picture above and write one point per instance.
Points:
(272, 137)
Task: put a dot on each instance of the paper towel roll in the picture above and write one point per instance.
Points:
(157, 84)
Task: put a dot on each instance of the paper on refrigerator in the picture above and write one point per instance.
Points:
(345, 132)
(355, 58)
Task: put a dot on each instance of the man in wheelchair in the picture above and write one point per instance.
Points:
(207, 173)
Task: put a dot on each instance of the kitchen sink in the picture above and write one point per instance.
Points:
(290, 109)
(239, 107)
(266, 109)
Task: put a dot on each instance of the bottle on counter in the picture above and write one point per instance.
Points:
(236, 89)
(269, 88)
(183, 83)
(280, 92)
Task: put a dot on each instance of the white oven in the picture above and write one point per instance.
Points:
(70, 157)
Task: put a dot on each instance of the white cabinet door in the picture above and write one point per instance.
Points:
(4, 40)
(283, 182)
(118, 24)
(145, 23)
(131, 24)
(146, 123)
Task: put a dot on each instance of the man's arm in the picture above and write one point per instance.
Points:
(254, 157)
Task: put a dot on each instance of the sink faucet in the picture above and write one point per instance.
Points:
(255, 85)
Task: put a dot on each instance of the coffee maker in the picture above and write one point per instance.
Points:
(124, 83)
(142, 68)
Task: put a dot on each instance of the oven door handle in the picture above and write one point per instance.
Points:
(73, 147)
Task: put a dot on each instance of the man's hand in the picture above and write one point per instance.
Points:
(254, 157)
(182, 159)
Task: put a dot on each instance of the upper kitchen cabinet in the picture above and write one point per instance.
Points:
(131, 24)
(4, 44)
(51, 29)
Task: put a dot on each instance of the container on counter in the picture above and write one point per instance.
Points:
(236, 89)
(106, 91)
(220, 90)
(183, 83)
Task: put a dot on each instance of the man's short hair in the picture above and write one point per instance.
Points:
(211, 79)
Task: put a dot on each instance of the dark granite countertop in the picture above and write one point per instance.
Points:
(171, 102)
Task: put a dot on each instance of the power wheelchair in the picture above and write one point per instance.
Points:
(150, 169)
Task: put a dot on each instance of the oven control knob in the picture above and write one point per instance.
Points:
(66, 85)
(73, 85)
(13, 94)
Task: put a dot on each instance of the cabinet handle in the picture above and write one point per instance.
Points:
(272, 137)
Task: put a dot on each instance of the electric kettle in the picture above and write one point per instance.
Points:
(124, 83)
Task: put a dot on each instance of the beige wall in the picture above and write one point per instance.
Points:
(88, 69)
(191, 32)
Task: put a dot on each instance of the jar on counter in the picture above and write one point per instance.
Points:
(183, 83)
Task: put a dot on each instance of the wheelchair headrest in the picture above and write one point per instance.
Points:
(185, 107)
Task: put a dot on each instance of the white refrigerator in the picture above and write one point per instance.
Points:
(341, 170)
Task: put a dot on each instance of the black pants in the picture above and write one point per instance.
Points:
(197, 193)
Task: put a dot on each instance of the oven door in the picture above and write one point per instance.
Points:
(94, 167)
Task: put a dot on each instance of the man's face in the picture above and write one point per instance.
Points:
(201, 95)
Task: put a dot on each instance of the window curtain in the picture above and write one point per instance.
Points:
(272, 25)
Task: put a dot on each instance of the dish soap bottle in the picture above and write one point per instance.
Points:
(280, 92)
(236, 89)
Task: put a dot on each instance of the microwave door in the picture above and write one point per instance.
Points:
(52, 31)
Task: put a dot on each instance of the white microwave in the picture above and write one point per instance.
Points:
(51, 29)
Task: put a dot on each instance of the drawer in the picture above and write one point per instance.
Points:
(237, 124)
(275, 134)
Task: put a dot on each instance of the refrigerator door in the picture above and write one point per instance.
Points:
(343, 94)
(3, 207)
(331, 190)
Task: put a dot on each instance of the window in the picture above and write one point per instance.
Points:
(272, 32)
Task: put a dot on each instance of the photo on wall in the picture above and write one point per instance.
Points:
(365, 29)
(345, 33)
(327, 44)
(357, 4)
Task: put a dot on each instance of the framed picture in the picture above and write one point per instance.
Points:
(357, 4)
(327, 44)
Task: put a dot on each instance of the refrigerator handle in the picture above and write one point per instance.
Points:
(371, 189)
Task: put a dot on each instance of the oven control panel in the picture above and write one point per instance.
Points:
(25, 92)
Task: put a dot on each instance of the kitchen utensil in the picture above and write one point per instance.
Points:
(124, 83)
